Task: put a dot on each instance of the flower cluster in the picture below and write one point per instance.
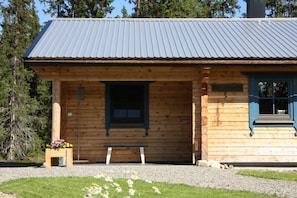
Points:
(96, 190)
(57, 144)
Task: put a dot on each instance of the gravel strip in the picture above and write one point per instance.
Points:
(187, 174)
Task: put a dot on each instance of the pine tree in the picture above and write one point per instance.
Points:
(124, 12)
(78, 8)
(185, 8)
(281, 8)
(19, 27)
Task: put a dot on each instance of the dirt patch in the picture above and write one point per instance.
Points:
(7, 195)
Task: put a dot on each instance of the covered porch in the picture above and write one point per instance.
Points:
(177, 97)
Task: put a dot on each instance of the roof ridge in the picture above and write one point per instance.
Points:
(174, 19)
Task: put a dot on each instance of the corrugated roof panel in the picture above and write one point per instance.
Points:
(195, 39)
(148, 40)
(250, 48)
(187, 35)
(290, 40)
(181, 37)
(217, 38)
(199, 35)
(155, 46)
(166, 38)
(228, 41)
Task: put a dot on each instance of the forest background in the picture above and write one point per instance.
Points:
(25, 100)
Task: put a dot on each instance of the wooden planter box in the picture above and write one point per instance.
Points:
(63, 152)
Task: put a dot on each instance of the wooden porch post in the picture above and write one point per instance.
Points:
(56, 114)
(196, 137)
(204, 112)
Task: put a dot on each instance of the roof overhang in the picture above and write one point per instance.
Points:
(157, 62)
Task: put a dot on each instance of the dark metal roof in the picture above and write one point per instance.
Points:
(78, 38)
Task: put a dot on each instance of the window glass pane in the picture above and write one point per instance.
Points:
(281, 106)
(127, 103)
(134, 113)
(273, 97)
(265, 106)
(280, 89)
(120, 113)
(265, 89)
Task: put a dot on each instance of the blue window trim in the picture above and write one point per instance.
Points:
(108, 124)
(253, 99)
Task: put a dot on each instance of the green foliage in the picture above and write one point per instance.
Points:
(124, 12)
(222, 8)
(73, 187)
(78, 8)
(284, 8)
(41, 92)
(288, 176)
(18, 117)
(185, 8)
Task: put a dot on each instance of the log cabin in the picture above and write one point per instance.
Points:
(187, 89)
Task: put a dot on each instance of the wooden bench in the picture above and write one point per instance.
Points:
(110, 147)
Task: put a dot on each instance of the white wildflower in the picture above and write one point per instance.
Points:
(134, 176)
(156, 190)
(94, 189)
(103, 190)
(132, 192)
(105, 194)
(108, 179)
(119, 189)
(99, 175)
(130, 183)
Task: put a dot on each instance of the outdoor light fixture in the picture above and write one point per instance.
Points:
(80, 92)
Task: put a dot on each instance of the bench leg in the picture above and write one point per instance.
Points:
(142, 157)
(108, 156)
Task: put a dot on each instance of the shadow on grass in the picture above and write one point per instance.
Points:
(19, 164)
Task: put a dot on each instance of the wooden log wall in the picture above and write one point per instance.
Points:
(170, 118)
(83, 122)
(228, 123)
(170, 135)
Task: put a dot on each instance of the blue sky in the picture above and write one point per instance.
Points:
(118, 4)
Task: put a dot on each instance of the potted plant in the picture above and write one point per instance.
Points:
(59, 148)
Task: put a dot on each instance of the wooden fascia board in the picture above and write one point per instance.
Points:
(67, 62)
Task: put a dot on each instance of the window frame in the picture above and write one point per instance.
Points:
(108, 107)
(255, 118)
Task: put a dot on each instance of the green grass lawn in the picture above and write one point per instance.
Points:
(52, 187)
(288, 176)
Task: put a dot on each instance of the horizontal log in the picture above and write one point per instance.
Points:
(252, 142)
(253, 150)
(254, 158)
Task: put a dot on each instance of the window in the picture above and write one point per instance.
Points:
(272, 99)
(126, 105)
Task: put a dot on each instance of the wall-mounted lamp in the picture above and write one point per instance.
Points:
(80, 92)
